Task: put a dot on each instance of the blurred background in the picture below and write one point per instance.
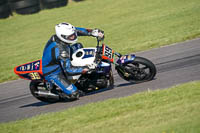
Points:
(129, 25)
(7, 7)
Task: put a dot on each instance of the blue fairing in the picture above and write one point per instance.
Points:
(126, 59)
(105, 67)
(89, 53)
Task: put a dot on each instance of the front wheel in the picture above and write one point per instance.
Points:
(111, 80)
(139, 70)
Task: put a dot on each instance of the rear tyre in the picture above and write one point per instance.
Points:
(28, 10)
(25, 6)
(35, 87)
(49, 4)
(139, 70)
(78, 0)
(2, 2)
(5, 10)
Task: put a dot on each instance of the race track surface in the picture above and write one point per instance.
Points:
(176, 64)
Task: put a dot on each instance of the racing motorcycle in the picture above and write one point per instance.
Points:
(100, 58)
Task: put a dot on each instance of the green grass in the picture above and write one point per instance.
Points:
(131, 25)
(173, 110)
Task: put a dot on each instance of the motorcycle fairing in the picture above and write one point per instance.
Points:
(104, 67)
(83, 56)
(30, 71)
(126, 58)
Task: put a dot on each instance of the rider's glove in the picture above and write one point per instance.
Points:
(89, 68)
(92, 66)
(85, 70)
(98, 33)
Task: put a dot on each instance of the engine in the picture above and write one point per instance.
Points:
(91, 82)
(95, 80)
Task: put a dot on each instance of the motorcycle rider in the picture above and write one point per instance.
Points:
(56, 60)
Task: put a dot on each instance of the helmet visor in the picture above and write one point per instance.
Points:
(70, 37)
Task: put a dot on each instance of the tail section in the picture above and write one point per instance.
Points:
(30, 71)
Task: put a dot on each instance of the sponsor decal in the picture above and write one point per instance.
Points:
(89, 53)
(129, 57)
(37, 64)
(70, 87)
(123, 58)
(30, 66)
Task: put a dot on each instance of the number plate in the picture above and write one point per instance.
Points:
(107, 53)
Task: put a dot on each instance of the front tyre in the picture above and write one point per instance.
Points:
(139, 70)
(111, 80)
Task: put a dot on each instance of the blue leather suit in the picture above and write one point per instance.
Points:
(56, 63)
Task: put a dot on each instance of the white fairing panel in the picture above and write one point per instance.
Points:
(83, 57)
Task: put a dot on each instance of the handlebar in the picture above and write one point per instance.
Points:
(98, 52)
(98, 43)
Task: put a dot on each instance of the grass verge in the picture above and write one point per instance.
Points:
(129, 26)
(174, 110)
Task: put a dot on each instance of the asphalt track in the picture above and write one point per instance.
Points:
(176, 64)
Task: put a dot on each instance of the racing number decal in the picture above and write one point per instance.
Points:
(34, 76)
(108, 52)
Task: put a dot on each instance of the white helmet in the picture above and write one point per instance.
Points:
(66, 32)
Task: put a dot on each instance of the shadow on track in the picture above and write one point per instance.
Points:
(37, 104)
(133, 83)
(125, 84)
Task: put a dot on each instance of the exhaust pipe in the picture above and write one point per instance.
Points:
(47, 94)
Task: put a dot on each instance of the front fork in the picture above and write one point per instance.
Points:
(122, 60)
(126, 72)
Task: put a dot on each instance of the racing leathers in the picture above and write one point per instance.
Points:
(56, 63)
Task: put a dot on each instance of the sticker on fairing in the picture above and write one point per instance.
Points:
(34, 76)
(30, 66)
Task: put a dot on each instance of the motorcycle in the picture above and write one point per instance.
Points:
(131, 68)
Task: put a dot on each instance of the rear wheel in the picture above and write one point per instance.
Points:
(4, 10)
(48, 4)
(25, 6)
(29, 10)
(139, 70)
(38, 90)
